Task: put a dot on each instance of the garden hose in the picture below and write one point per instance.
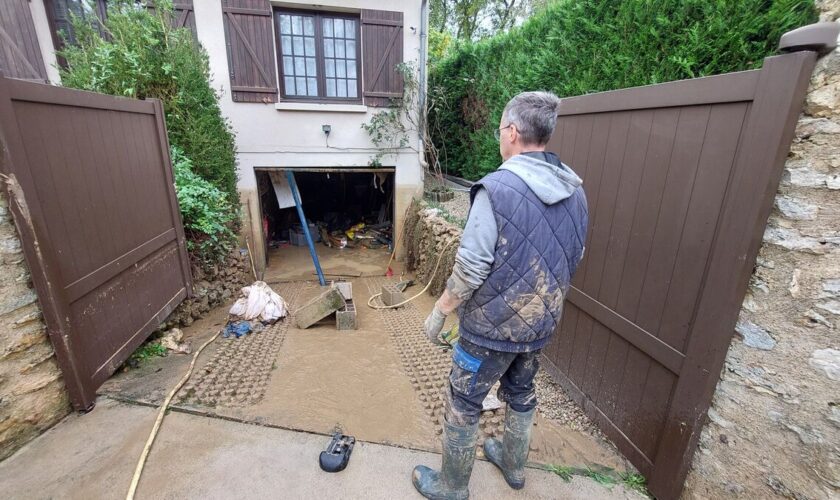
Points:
(432, 277)
(138, 471)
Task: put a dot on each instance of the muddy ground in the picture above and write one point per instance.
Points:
(381, 383)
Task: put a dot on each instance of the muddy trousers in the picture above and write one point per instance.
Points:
(476, 369)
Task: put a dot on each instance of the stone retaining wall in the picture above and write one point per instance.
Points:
(427, 235)
(212, 287)
(774, 425)
(32, 392)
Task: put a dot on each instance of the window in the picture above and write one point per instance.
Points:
(319, 56)
(59, 13)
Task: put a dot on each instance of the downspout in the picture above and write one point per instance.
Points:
(421, 91)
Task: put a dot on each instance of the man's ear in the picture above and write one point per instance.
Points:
(514, 134)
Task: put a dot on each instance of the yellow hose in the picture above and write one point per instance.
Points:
(138, 471)
(434, 273)
(142, 462)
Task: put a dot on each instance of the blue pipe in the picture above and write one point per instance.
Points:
(293, 185)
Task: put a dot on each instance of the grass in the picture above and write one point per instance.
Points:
(635, 481)
(563, 471)
(605, 476)
(148, 351)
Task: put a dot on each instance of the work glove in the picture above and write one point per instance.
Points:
(434, 324)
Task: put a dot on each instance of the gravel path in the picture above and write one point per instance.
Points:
(459, 206)
(555, 405)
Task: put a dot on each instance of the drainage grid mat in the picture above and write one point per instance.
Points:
(239, 370)
(427, 365)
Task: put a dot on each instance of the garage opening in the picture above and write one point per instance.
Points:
(350, 214)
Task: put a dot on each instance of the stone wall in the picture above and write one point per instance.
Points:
(32, 392)
(428, 234)
(774, 425)
(212, 286)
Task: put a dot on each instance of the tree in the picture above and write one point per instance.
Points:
(476, 19)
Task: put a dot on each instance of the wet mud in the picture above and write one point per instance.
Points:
(384, 382)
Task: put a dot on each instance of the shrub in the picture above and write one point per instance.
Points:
(576, 47)
(208, 216)
(140, 55)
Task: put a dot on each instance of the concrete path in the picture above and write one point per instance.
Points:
(93, 456)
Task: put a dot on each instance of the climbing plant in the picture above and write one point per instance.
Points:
(390, 129)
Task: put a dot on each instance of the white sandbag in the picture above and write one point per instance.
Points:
(259, 301)
(239, 307)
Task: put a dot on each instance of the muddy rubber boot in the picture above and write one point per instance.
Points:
(453, 480)
(511, 454)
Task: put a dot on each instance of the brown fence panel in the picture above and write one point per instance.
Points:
(680, 179)
(90, 185)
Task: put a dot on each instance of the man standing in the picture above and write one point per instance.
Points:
(521, 246)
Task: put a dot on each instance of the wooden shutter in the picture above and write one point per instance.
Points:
(20, 53)
(382, 50)
(184, 17)
(182, 14)
(250, 49)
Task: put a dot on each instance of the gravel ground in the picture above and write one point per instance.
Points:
(555, 405)
(459, 206)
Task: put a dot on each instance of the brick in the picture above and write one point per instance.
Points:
(319, 308)
(345, 318)
(346, 289)
(391, 296)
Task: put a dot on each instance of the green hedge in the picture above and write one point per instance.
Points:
(577, 47)
(207, 214)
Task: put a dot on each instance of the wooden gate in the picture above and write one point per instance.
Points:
(680, 179)
(90, 186)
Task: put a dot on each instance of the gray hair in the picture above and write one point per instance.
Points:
(534, 114)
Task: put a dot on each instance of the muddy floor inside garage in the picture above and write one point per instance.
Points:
(382, 383)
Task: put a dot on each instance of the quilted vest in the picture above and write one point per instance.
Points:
(539, 246)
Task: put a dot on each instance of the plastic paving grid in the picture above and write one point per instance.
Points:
(426, 365)
(239, 370)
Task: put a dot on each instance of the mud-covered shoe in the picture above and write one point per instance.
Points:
(452, 482)
(511, 454)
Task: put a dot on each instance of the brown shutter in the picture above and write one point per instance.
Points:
(250, 49)
(20, 54)
(184, 17)
(382, 50)
(182, 14)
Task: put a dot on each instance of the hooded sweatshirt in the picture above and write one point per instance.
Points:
(539, 210)
(551, 180)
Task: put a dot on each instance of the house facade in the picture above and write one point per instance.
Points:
(297, 82)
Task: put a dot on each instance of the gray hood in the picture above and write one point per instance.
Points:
(549, 178)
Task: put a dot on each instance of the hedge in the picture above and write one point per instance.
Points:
(577, 47)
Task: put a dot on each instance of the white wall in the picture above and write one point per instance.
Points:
(45, 42)
(268, 137)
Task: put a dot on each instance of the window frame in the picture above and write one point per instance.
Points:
(320, 63)
(101, 12)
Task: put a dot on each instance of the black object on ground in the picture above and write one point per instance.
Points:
(337, 454)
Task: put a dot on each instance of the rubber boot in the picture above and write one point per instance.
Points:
(452, 482)
(511, 454)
